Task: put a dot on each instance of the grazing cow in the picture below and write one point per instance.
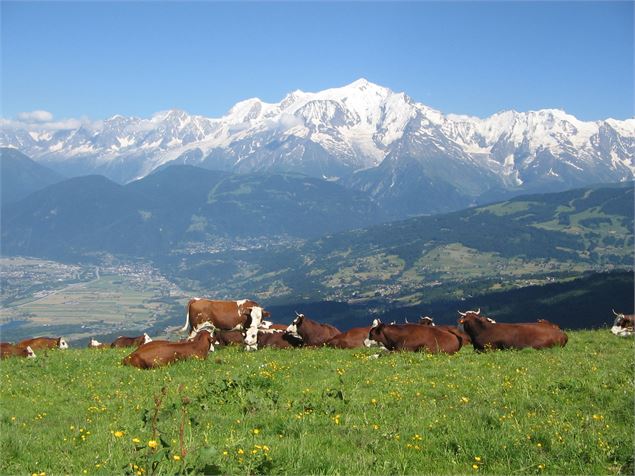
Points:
(350, 339)
(38, 343)
(95, 344)
(123, 341)
(226, 315)
(311, 332)
(157, 354)
(259, 338)
(413, 337)
(486, 335)
(10, 350)
(624, 324)
(428, 321)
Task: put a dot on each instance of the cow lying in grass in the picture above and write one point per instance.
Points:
(10, 350)
(487, 335)
(160, 353)
(43, 343)
(413, 337)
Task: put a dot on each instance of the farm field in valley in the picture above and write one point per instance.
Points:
(557, 411)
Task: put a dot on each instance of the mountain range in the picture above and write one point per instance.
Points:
(410, 158)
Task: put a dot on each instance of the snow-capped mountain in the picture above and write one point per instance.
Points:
(367, 136)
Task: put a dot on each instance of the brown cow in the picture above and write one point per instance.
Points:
(350, 339)
(10, 350)
(38, 343)
(157, 354)
(223, 338)
(226, 315)
(413, 337)
(123, 341)
(488, 335)
(624, 324)
(311, 332)
(428, 321)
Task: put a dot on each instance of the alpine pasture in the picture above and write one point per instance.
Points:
(324, 411)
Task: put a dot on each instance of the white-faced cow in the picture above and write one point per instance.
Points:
(11, 350)
(95, 344)
(623, 325)
(487, 335)
(225, 315)
(157, 354)
(311, 332)
(258, 338)
(123, 341)
(413, 337)
(43, 343)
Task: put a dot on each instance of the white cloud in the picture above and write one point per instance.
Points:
(35, 116)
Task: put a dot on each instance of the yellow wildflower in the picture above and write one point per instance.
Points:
(118, 434)
(176, 457)
(240, 451)
(255, 431)
(477, 458)
(136, 440)
(153, 444)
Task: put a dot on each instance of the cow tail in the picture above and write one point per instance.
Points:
(187, 317)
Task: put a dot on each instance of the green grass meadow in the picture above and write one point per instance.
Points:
(326, 411)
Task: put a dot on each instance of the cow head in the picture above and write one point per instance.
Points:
(426, 321)
(29, 354)
(251, 339)
(146, 338)
(472, 318)
(254, 316)
(375, 331)
(61, 343)
(293, 327)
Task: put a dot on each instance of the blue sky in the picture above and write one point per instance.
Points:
(98, 59)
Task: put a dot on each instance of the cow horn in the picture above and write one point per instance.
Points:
(407, 321)
(462, 313)
(297, 314)
(614, 312)
(478, 312)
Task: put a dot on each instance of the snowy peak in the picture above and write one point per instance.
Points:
(338, 132)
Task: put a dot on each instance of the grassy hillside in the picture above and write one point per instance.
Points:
(532, 239)
(558, 411)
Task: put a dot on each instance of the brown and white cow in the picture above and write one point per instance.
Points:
(487, 335)
(259, 338)
(350, 339)
(623, 325)
(11, 350)
(42, 343)
(95, 344)
(157, 354)
(226, 315)
(413, 337)
(123, 341)
(311, 332)
(428, 321)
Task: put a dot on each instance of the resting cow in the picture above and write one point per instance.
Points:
(624, 324)
(157, 354)
(226, 315)
(428, 321)
(413, 337)
(488, 335)
(123, 341)
(42, 343)
(10, 350)
(350, 339)
(311, 332)
(95, 344)
(259, 338)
